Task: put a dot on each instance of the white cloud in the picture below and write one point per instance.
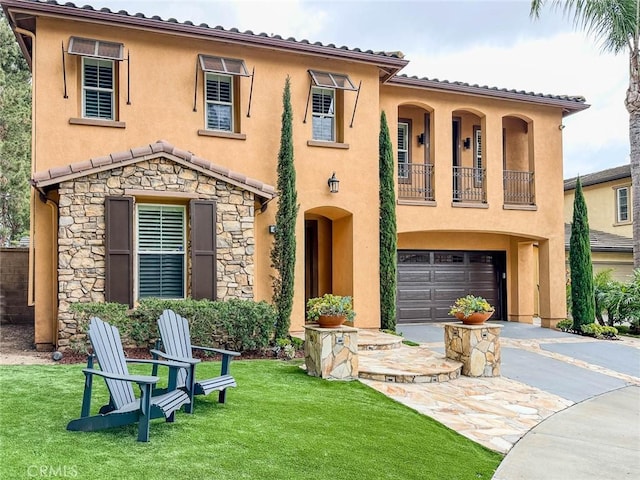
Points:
(565, 64)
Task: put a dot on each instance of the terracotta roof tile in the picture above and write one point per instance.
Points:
(100, 161)
(201, 162)
(570, 103)
(140, 151)
(118, 157)
(182, 153)
(60, 171)
(59, 174)
(81, 166)
(394, 59)
(40, 176)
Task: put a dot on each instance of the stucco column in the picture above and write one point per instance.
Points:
(553, 306)
(492, 158)
(443, 159)
(524, 307)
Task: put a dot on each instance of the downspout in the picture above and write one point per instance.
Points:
(30, 289)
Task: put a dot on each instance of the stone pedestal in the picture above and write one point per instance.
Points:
(476, 346)
(331, 353)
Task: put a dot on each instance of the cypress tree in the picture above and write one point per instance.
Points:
(583, 307)
(283, 253)
(388, 230)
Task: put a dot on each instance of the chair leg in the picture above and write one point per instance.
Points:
(222, 396)
(145, 413)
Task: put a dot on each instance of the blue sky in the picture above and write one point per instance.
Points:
(488, 42)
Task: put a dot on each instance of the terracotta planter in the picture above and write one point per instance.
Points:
(331, 321)
(476, 318)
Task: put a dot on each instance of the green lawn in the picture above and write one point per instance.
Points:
(278, 424)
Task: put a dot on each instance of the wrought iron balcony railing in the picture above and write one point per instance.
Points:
(415, 181)
(518, 188)
(469, 185)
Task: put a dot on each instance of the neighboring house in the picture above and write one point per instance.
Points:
(610, 211)
(155, 152)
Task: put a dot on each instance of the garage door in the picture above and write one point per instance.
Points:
(430, 281)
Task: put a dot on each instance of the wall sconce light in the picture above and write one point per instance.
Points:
(466, 143)
(421, 139)
(333, 183)
(272, 229)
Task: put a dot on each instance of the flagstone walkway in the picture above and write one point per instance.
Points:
(495, 412)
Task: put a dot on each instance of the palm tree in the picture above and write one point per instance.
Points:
(616, 24)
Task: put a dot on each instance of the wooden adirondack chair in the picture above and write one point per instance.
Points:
(123, 407)
(176, 343)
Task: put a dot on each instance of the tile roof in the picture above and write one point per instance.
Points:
(391, 62)
(602, 241)
(570, 104)
(161, 148)
(603, 176)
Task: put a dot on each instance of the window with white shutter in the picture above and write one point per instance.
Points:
(219, 100)
(98, 88)
(478, 173)
(403, 150)
(161, 251)
(324, 114)
(221, 91)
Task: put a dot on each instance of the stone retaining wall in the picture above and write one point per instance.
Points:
(81, 231)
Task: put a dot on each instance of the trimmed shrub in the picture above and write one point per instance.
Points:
(240, 325)
(598, 331)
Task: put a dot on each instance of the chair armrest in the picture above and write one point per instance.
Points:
(160, 353)
(139, 379)
(217, 350)
(177, 364)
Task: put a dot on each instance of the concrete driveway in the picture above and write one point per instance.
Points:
(592, 387)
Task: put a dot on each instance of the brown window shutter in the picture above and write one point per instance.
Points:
(203, 249)
(119, 250)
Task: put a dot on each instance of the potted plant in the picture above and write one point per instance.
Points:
(330, 310)
(471, 309)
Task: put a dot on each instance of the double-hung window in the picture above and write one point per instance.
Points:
(221, 92)
(622, 205)
(324, 114)
(327, 104)
(403, 150)
(99, 61)
(98, 88)
(161, 251)
(219, 98)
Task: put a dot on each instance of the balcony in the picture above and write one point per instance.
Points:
(518, 188)
(469, 185)
(415, 182)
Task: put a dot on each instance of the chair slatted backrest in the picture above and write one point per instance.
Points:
(176, 339)
(107, 347)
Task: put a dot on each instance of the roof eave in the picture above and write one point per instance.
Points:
(568, 107)
(387, 63)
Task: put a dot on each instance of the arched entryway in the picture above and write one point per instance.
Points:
(328, 252)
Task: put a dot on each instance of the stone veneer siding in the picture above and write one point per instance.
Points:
(81, 231)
